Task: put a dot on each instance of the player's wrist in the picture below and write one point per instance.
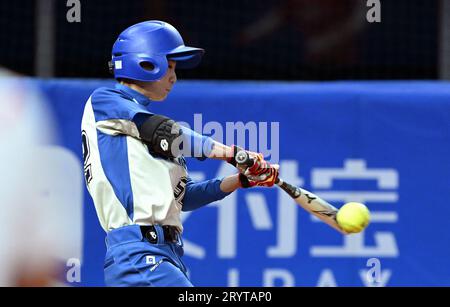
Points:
(232, 159)
(244, 182)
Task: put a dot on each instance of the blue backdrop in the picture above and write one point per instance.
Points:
(383, 143)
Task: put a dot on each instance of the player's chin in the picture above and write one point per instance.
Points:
(161, 97)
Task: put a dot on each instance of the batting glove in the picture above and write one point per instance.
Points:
(266, 176)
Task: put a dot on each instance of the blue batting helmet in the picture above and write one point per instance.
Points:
(142, 51)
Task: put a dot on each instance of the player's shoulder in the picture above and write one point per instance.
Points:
(112, 103)
(107, 94)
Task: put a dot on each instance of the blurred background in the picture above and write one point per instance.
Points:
(258, 40)
(356, 111)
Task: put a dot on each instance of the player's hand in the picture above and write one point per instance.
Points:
(265, 175)
(232, 160)
(261, 173)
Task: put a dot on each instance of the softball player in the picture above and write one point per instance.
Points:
(134, 172)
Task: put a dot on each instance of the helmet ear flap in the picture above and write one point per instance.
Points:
(140, 67)
(153, 68)
(148, 66)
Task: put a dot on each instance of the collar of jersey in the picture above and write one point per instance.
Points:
(135, 95)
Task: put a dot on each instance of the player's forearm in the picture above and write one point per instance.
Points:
(205, 147)
(230, 184)
(201, 146)
(199, 194)
(220, 151)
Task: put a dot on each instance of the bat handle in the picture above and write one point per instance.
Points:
(243, 159)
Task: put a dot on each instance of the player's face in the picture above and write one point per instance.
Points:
(158, 90)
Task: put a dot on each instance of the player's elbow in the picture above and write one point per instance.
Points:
(188, 205)
(162, 135)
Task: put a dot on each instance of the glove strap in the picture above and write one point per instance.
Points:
(232, 160)
(243, 180)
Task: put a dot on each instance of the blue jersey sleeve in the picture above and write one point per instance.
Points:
(200, 146)
(199, 194)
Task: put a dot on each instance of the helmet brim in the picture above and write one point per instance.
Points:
(186, 57)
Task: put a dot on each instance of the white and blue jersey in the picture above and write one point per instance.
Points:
(127, 184)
